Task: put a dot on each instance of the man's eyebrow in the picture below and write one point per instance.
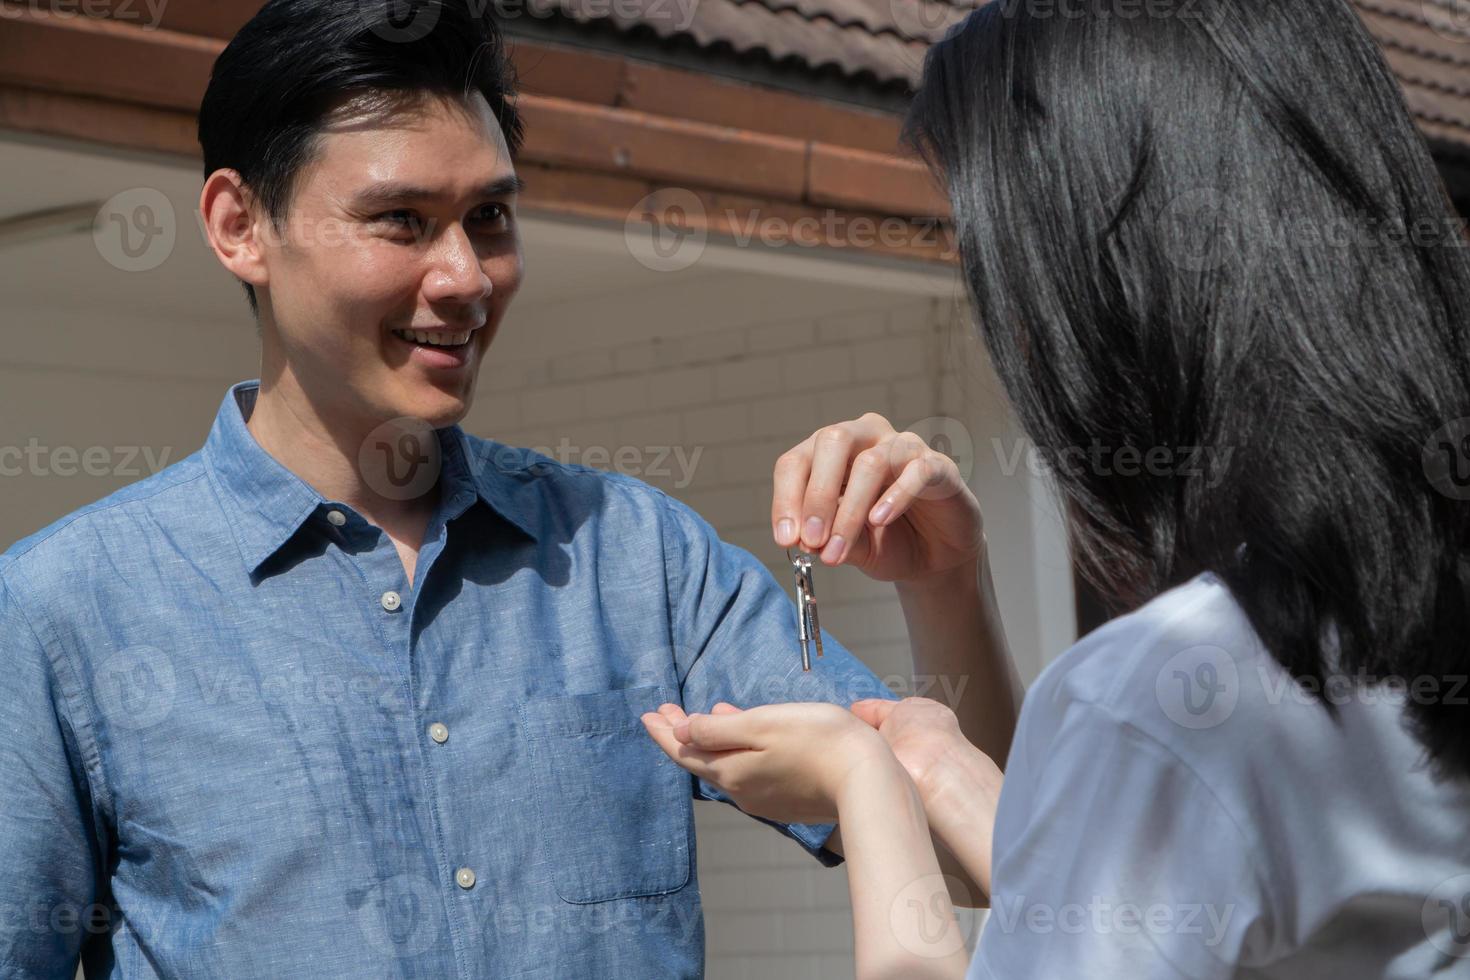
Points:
(392, 191)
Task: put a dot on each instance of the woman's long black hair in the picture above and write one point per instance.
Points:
(1208, 230)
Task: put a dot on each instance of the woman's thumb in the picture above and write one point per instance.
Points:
(874, 711)
(716, 733)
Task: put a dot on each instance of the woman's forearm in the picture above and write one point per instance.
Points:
(959, 643)
(960, 794)
(903, 921)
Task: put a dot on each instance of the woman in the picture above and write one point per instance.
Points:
(1207, 238)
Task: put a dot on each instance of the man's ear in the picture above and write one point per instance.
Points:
(229, 218)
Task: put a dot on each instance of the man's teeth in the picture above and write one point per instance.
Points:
(433, 339)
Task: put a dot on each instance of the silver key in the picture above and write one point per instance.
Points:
(808, 629)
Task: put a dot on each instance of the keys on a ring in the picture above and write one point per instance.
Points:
(808, 630)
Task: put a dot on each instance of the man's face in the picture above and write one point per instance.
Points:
(402, 224)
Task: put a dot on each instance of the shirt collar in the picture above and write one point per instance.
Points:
(267, 503)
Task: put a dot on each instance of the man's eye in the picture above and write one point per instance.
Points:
(492, 212)
(404, 219)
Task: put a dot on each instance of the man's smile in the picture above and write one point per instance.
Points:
(439, 347)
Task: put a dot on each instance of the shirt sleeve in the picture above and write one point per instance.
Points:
(1113, 859)
(735, 640)
(48, 860)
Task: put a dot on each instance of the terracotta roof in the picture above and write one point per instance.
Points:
(879, 41)
(883, 41)
(1427, 43)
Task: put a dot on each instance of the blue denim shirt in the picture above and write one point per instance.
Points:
(227, 752)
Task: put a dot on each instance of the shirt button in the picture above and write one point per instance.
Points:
(465, 878)
(438, 733)
(336, 518)
(391, 601)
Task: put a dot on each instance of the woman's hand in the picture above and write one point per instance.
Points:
(958, 784)
(786, 762)
(862, 493)
(816, 763)
(921, 732)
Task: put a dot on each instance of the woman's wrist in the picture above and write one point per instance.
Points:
(960, 581)
(960, 792)
(960, 653)
(874, 776)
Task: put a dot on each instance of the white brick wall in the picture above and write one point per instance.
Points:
(739, 394)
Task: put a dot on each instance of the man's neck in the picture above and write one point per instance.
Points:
(324, 454)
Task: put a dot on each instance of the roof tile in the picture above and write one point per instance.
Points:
(1427, 42)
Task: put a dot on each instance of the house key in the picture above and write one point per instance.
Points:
(807, 627)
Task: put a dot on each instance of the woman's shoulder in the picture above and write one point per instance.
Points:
(1186, 670)
(1175, 722)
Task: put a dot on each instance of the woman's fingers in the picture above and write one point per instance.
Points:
(719, 733)
(925, 474)
(792, 469)
(874, 711)
(695, 760)
(831, 454)
(868, 476)
(809, 479)
(674, 713)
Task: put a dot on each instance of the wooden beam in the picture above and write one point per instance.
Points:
(105, 58)
(101, 121)
(567, 73)
(202, 18)
(744, 220)
(609, 139)
(690, 95)
(847, 178)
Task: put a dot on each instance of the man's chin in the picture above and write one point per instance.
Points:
(432, 404)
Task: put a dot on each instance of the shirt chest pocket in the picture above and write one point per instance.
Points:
(616, 813)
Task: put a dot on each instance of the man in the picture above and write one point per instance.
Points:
(349, 692)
